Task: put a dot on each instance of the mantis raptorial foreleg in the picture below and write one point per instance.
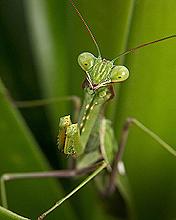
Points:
(43, 102)
(122, 144)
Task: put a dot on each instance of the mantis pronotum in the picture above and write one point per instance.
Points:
(76, 139)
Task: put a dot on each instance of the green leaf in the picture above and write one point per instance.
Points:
(8, 215)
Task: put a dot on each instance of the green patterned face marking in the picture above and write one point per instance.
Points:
(101, 72)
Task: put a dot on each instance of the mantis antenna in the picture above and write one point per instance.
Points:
(143, 45)
(87, 27)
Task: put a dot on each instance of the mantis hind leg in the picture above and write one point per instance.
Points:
(84, 182)
(44, 174)
(42, 102)
(123, 139)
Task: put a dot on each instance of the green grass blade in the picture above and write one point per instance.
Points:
(46, 21)
(8, 215)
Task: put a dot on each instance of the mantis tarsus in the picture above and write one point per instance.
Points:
(73, 138)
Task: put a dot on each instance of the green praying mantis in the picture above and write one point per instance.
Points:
(92, 140)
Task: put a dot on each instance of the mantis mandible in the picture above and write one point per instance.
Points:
(78, 140)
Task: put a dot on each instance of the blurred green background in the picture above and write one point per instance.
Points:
(39, 44)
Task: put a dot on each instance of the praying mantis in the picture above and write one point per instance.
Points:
(89, 85)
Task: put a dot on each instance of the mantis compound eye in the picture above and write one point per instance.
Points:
(86, 60)
(119, 74)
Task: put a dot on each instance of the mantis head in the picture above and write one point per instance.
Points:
(101, 72)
